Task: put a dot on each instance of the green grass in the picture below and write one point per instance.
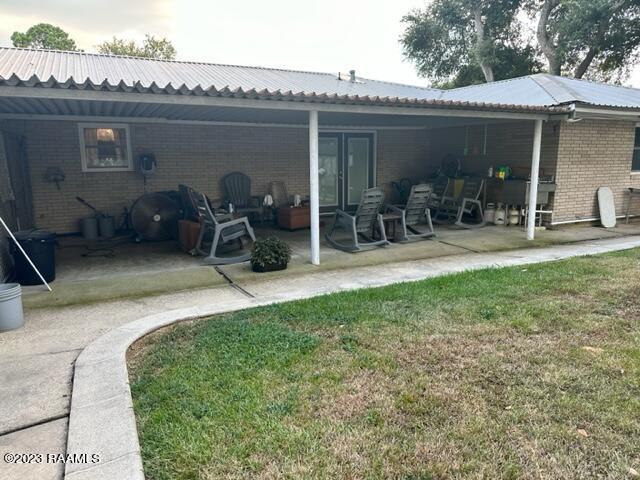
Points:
(476, 375)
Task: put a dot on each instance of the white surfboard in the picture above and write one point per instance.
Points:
(607, 207)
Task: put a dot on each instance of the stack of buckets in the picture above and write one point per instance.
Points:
(11, 314)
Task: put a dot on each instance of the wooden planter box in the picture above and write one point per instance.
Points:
(293, 218)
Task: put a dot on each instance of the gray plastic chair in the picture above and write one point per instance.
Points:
(466, 203)
(237, 191)
(219, 231)
(361, 224)
(416, 212)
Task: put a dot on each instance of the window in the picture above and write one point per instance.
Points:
(635, 163)
(105, 147)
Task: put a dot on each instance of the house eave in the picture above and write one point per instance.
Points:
(275, 101)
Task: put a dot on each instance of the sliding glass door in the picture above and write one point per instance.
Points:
(346, 168)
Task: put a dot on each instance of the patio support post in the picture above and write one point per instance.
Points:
(533, 185)
(314, 190)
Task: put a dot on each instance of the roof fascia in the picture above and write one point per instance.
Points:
(414, 110)
(604, 113)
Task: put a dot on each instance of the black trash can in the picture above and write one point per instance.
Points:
(40, 245)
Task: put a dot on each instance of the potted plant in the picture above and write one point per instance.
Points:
(270, 254)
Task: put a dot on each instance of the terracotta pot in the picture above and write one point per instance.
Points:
(271, 267)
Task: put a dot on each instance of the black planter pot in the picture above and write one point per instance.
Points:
(271, 267)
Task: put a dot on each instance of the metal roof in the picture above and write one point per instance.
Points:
(88, 71)
(99, 68)
(97, 72)
(543, 89)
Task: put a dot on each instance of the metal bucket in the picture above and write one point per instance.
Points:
(107, 226)
(89, 227)
(11, 314)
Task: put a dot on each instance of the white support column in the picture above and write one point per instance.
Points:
(535, 174)
(314, 189)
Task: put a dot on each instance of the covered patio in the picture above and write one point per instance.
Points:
(325, 147)
(406, 141)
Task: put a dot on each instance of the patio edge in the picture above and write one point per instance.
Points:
(101, 418)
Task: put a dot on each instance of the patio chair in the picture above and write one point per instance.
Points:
(237, 191)
(466, 203)
(218, 231)
(438, 192)
(415, 213)
(361, 224)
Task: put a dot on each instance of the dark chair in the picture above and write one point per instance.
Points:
(415, 213)
(237, 191)
(466, 203)
(361, 224)
(218, 231)
(438, 192)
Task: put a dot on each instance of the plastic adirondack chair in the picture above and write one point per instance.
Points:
(466, 203)
(415, 213)
(218, 231)
(361, 224)
(237, 188)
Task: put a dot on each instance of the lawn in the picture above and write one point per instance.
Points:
(527, 372)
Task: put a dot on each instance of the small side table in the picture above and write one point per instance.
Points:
(389, 219)
(294, 218)
(633, 193)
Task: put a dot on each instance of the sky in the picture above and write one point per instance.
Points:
(318, 35)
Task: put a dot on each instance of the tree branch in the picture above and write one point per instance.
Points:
(545, 42)
(487, 70)
(603, 26)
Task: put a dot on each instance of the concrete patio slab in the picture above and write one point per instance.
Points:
(35, 388)
(48, 438)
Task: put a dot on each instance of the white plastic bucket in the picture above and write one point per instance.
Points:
(11, 314)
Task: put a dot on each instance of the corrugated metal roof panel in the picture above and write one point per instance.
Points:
(80, 66)
(599, 94)
(522, 90)
(544, 89)
(534, 93)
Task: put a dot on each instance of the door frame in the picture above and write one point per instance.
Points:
(342, 146)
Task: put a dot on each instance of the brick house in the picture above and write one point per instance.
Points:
(201, 121)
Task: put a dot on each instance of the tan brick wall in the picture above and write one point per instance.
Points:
(402, 154)
(507, 144)
(195, 155)
(591, 154)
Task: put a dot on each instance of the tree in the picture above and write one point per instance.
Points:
(578, 35)
(159, 48)
(43, 35)
(462, 42)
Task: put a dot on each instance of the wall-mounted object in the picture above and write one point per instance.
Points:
(54, 175)
(147, 164)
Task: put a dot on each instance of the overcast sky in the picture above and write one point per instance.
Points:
(317, 35)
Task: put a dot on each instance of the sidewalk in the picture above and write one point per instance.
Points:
(37, 361)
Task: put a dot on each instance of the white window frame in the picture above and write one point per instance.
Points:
(83, 149)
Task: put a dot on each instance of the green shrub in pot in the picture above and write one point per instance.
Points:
(270, 254)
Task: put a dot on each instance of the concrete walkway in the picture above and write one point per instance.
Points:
(37, 362)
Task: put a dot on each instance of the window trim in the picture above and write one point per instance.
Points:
(635, 130)
(83, 148)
